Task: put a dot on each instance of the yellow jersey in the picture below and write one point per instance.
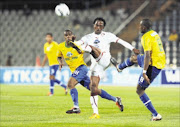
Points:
(50, 49)
(71, 56)
(152, 42)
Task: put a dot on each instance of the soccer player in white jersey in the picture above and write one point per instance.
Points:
(98, 45)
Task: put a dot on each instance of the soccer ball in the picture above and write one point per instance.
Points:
(62, 10)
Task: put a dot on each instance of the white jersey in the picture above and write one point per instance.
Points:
(101, 41)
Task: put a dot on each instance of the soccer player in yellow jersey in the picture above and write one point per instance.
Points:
(74, 59)
(152, 62)
(50, 51)
(77, 66)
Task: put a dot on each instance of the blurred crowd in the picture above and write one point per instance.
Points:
(174, 37)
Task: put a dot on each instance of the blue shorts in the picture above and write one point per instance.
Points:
(140, 59)
(53, 69)
(80, 74)
(152, 73)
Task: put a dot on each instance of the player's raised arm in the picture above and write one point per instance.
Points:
(70, 38)
(116, 39)
(83, 45)
(73, 45)
(127, 45)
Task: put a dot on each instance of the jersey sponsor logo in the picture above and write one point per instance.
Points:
(96, 41)
(74, 57)
(49, 48)
(69, 54)
(67, 58)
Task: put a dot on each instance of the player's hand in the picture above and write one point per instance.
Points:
(146, 78)
(79, 51)
(75, 47)
(73, 37)
(136, 51)
(60, 66)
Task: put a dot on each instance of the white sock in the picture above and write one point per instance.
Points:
(75, 106)
(94, 103)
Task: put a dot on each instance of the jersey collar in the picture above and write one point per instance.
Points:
(98, 34)
(147, 32)
(66, 45)
(50, 43)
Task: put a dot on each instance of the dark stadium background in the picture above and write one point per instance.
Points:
(164, 14)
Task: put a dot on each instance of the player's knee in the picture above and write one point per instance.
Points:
(92, 86)
(133, 58)
(70, 86)
(95, 52)
(51, 77)
(94, 90)
(139, 92)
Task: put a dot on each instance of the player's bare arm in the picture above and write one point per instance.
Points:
(44, 60)
(147, 59)
(99, 26)
(60, 62)
(94, 51)
(75, 47)
(70, 38)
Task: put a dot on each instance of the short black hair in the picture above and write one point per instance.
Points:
(99, 19)
(49, 34)
(68, 31)
(147, 23)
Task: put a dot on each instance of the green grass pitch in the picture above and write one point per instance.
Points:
(28, 106)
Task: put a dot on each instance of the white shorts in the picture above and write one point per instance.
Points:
(99, 66)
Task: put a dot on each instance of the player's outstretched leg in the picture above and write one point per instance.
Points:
(134, 59)
(94, 99)
(117, 100)
(147, 102)
(74, 94)
(128, 62)
(103, 94)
